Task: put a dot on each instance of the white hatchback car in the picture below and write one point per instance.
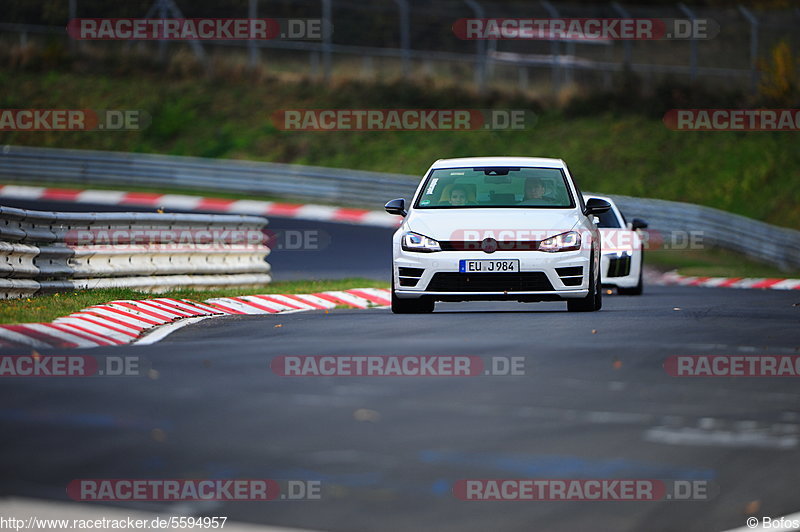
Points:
(496, 228)
(622, 260)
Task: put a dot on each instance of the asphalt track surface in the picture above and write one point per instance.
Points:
(594, 402)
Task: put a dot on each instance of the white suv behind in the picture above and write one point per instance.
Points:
(496, 228)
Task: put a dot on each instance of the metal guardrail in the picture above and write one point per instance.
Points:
(83, 167)
(55, 251)
(775, 245)
(768, 243)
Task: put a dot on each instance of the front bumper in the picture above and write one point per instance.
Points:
(620, 269)
(542, 276)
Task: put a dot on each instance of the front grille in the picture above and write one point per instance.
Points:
(490, 282)
(619, 266)
(476, 245)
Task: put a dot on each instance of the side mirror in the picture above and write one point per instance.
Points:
(597, 206)
(396, 206)
(638, 223)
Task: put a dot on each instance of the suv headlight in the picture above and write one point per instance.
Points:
(419, 243)
(569, 241)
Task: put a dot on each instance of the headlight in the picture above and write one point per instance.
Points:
(569, 241)
(419, 243)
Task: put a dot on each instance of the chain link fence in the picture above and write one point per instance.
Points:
(387, 39)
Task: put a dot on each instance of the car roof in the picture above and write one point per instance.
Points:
(540, 162)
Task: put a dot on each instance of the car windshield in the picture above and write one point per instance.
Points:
(495, 187)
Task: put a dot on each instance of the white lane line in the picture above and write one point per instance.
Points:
(159, 333)
(720, 438)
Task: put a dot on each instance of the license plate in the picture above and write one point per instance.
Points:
(488, 265)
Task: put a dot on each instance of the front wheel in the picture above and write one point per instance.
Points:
(593, 300)
(421, 305)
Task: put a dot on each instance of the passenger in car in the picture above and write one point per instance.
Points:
(458, 196)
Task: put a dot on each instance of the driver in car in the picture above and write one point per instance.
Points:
(535, 192)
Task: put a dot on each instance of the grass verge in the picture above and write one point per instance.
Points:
(46, 308)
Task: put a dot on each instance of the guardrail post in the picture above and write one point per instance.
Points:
(405, 35)
(162, 42)
(195, 45)
(73, 10)
(693, 61)
(252, 13)
(753, 20)
(555, 65)
(522, 73)
(327, 17)
(480, 44)
(490, 58)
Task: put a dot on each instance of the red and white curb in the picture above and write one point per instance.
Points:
(672, 278)
(125, 321)
(199, 203)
